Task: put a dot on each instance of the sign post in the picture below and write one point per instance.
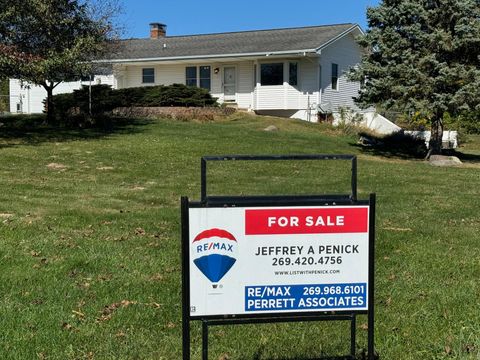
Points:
(263, 259)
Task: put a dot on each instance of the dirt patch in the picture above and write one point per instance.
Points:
(56, 166)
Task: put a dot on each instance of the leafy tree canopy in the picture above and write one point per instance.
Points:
(49, 41)
(422, 56)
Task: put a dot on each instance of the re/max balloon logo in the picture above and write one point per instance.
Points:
(214, 253)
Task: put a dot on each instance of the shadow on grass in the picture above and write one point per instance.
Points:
(396, 145)
(465, 157)
(389, 152)
(30, 130)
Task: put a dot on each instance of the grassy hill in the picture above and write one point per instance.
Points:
(90, 241)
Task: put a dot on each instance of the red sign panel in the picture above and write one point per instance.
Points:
(326, 220)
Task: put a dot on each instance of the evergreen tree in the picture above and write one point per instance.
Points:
(422, 56)
(46, 42)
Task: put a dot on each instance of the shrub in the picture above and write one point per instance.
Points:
(75, 107)
(397, 143)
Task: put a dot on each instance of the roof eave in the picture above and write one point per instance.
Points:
(194, 57)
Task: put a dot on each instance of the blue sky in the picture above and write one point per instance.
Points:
(199, 17)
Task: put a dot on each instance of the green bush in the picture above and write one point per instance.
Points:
(74, 108)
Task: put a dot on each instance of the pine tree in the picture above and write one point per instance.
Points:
(422, 56)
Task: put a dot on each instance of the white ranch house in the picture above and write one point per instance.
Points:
(293, 72)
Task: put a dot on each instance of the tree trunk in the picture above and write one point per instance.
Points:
(50, 106)
(50, 113)
(435, 144)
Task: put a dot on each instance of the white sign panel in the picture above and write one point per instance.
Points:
(264, 260)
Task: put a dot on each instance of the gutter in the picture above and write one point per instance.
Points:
(192, 57)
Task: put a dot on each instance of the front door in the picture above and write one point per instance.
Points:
(229, 83)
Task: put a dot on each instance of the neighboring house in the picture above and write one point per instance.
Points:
(294, 72)
(26, 98)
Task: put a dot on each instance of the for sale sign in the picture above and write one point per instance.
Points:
(270, 260)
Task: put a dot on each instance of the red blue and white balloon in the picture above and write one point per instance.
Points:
(214, 253)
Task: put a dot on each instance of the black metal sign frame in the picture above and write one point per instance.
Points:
(260, 201)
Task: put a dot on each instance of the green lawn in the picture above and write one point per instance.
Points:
(90, 241)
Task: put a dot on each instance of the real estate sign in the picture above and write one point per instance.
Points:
(272, 260)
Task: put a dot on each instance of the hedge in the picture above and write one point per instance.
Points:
(105, 99)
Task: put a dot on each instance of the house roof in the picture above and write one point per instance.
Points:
(276, 41)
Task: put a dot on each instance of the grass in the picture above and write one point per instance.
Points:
(90, 241)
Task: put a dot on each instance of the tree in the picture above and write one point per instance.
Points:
(422, 56)
(46, 42)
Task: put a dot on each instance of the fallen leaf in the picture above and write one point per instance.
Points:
(364, 326)
(67, 326)
(448, 350)
(139, 232)
(469, 348)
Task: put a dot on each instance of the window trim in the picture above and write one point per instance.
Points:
(143, 76)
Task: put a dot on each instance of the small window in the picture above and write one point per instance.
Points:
(293, 74)
(191, 76)
(148, 76)
(84, 78)
(205, 77)
(334, 76)
(271, 74)
(254, 75)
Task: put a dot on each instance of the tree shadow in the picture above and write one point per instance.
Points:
(389, 152)
(16, 131)
(465, 157)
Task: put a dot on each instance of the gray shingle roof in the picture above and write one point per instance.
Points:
(246, 42)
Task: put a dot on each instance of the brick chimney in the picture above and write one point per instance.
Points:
(158, 31)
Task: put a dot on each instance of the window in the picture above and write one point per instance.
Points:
(148, 76)
(271, 74)
(191, 76)
(334, 76)
(293, 74)
(254, 75)
(205, 81)
(84, 78)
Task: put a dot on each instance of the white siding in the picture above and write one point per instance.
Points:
(30, 97)
(288, 97)
(170, 74)
(164, 75)
(346, 53)
(245, 84)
